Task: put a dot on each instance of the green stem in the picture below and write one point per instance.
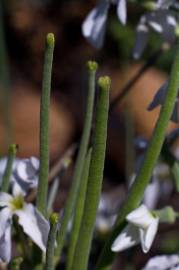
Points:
(95, 178)
(8, 171)
(137, 190)
(5, 91)
(44, 125)
(49, 265)
(78, 211)
(16, 263)
(71, 200)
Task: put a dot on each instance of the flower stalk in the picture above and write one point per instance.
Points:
(95, 177)
(49, 265)
(71, 200)
(137, 190)
(44, 125)
(78, 211)
(8, 171)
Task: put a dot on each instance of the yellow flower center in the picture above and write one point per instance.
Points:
(17, 203)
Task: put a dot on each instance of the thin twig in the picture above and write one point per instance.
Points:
(128, 87)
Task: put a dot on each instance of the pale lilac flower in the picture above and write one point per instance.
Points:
(107, 211)
(142, 228)
(160, 184)
(161, 21)
(163, 262)
(165, 4)
(24, 174)
(94, 26)
(159, 99)
(31, 220)
(121, 10)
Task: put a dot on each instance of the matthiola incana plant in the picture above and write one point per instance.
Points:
(119, 224)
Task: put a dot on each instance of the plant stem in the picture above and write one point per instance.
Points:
(49, 265)
(137, 190)
(5, 91)
(44, 125)
(78, 211)
(16, 263)
(71, 200)
(8, 171)
(95, 178)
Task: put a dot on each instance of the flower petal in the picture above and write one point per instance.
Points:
(25, 169)
(175, 113)
(159, 97)
(122, 11)
(140, 217)
(94, 26)
(5, 245)
(142, 37)
(127, 238)
(25, 175)
(5, 218)
(5, 198)
(152, 194)
(164, 3)
(34, 225)
(163, 262)
(147, 236)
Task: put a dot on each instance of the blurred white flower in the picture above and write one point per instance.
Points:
(163, 262)
(94, 26)
(164, 3)
(161, 21)
(160, 185)
(121, 10)
(24, 174)
(31, 220)
(142, 228)
(106, 215)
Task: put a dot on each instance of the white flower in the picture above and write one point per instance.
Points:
(94, 26)
(32, 222)
(161, 21)
(142, 227)
(24, 174)
(106, 215)
(163, 262)
(164, 3)
(121, 10)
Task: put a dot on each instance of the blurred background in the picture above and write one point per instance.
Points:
(23, 27)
